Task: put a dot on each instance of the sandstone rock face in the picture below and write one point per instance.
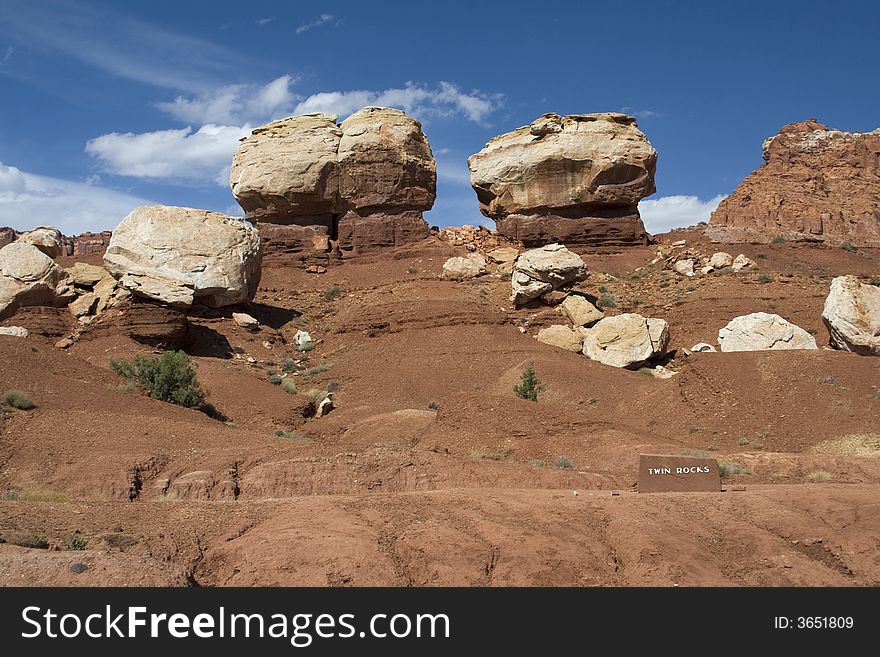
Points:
(763, 332)
(573, 179)
(180, 256)
(366, 181)
(852, 316)
(86, 243)
(7, 236)
(684, 267)
(47, 239)
(82, 273)
(720, 260)
(816, 184)
(28, 277)
(562, 337)
(625, 340)
(541, 270)
(469, 266)
(580, 311)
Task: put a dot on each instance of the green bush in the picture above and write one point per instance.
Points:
(332, 293)
(289, 386)
(606, 301)
(529, 386)
(18, 399)
(288, 366)
(779, 239)
(563, 462)
(306, 346)
(849, 247)
(317, 369)
(765, 278)
(170, 378)
(75, 541)
(274, 379)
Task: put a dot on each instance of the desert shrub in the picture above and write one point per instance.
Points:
(640, 273)
(306, 346)
(26, 539)
(637, 302)
(505, 275)
(731, 469)
(332, 386)
(274, 378)
(819, 475)
(170, 378)
(35, 496)
(75, 541)
(779, 239)
(529, 386)
(691, 288)
(433, 405)
(288, 365)
(761, 255)
(765, 278)
(292, 435)
(646, 371)
(592, 400)
(603, 289)
(744, 441)
(412, 270)
(849, 247)
(727, 270)
(317, 369)
(536, 463)
(289, 386)
(606, 301)
(332, 293)
(876, 281)
(563, 462)
(18, 399)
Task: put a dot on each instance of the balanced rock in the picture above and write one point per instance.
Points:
(28, 277)
(469, 266)
(179, 256)
(580, 311)
(562, 337)
(574, 179)
(626, 340)
(364, 182)
(47, 239)
(852, 316)
(763, 332)
(816, 184)
(541, 270)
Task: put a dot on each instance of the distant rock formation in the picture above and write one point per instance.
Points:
(816, 184)
(361, 184)
(77, 245)
(181, 256)
(570, 179)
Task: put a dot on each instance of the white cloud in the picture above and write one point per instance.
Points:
(265, 21)
(669, 212)
(323, 19)
(29, 200)
(199, 155)
(444, 100)
(235, 103)
(642, 114)
(7, 54)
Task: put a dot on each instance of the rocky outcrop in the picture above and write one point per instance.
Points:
(815, 184)
(539, 271)
(28, 277)
(46, 238)
(364, 182)
(626, 340)
(7, 236)
(182, 256)
(573, 179)
(763, 332)
(580, 311)
(852, 316)
(85, 243)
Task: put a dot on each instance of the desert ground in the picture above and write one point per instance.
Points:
(430, 470)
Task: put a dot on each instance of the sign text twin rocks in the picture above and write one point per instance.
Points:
(659, 473)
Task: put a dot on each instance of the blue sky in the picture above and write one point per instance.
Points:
(107, 105)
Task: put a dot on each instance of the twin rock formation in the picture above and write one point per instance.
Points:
(315, 186)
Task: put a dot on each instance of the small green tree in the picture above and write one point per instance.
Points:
(529, 386)
(170, 378)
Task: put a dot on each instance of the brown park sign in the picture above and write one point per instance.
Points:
(659, 473)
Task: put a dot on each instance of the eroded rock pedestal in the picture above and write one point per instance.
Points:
(361, 184)
(816, 184)
(569, 179)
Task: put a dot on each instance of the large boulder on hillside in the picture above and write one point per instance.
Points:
(28, 277)
(364, 182)
(539, 271)
(852, 315)
(47, 239)
(763, 332)
(562, 337)
(181, 256)
(816, 184)
(626, 340)
(461, 267)
(574, 179)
